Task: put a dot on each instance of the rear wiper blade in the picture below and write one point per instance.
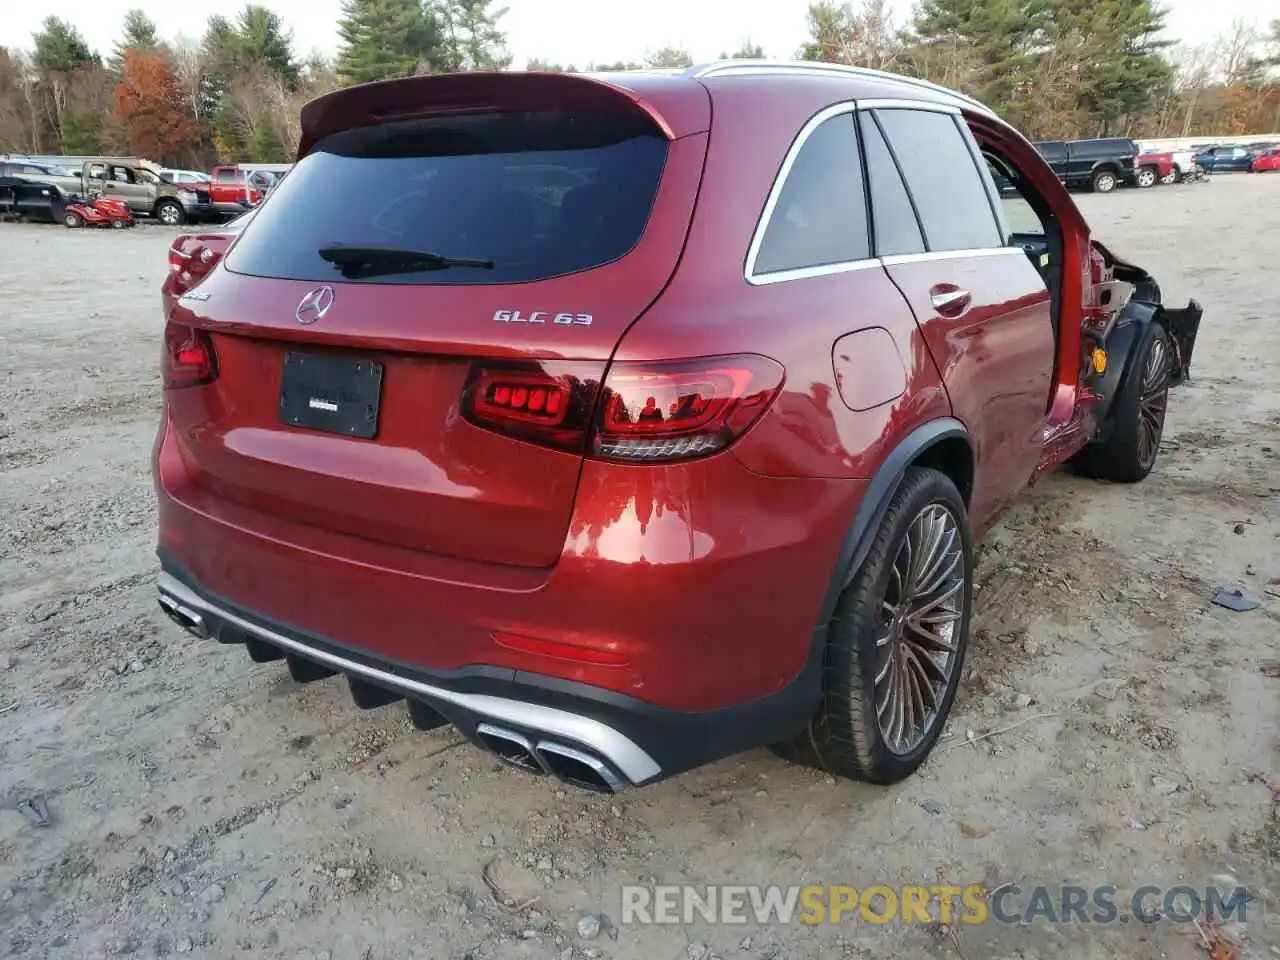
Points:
(355, 260)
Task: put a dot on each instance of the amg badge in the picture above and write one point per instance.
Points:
(543, 316)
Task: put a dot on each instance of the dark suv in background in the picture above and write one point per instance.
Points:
(1101, 165)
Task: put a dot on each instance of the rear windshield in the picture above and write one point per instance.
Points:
(535, 195)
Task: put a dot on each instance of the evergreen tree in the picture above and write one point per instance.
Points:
(262, 39)
(1117, 52)
(139, 33)
(386, 38)
(669, 58)
(747, 51)
(60, 48)
(472, 39)
(999, 34)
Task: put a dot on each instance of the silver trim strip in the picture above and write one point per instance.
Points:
(825, 270)
(950, 255)
(775, 192)
(756, 67)
(595, 763)
(895, 103)
(624, 753)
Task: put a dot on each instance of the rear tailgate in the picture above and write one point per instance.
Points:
(341, 399)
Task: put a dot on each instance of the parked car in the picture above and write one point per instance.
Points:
(1101, 165)
(1266, 160)
(185, 176)
(193, 255)
(28, 200)
(1172, 166)
(234, 192)
(681, 461)
(66, 183)
(147, 194)
(1221, 159)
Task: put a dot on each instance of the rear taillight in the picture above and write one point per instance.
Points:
(643, 413)
(651, 413)
(189, 359)
(544, 402)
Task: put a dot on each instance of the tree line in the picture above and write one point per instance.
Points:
(1055, 68)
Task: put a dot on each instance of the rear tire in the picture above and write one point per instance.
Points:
(896, 645)
(1129, 452)
(72, 220)
(170, 213)
(1104, 181)
(1147, 177)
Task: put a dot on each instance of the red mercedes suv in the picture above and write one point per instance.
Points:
(629, 421)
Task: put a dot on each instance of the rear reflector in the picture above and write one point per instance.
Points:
(643, 413)
(559, 650)
(188, 359)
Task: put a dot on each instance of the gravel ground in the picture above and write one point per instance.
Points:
(205, 806)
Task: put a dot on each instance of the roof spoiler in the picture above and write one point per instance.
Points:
(676, 105)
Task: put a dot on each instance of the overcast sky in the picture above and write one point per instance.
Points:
(566, 31)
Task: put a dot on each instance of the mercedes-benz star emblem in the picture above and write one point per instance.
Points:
(314, 305)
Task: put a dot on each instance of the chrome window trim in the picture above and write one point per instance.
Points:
(775, 193)
(779, 183)
(898, 103)
(931, 255)
(799, 67)
(803, 273)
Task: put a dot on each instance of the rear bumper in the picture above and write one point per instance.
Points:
(706, 583)
(627, 741)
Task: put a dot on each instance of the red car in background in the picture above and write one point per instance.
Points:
(193, 255)
(1266, 160)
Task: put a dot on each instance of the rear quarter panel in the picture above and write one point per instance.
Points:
(709, 307)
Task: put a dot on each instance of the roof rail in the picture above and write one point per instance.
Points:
(723, 67)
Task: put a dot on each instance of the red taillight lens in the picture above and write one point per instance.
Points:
(651, 413)
(544, 402)
(646, 412)
(189, 357)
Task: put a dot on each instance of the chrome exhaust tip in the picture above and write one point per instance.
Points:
(510, 747)
(184, 617)
(579, 768)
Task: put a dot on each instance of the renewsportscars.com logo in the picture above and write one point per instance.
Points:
(812, 905)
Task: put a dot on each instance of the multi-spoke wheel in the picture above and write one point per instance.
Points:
(916, 648)
(1153, 401)
(896, 645)
(1129, 444)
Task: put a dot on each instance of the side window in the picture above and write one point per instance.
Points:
(97, 171)
(820, 218)
(897, 230)
(949, 192)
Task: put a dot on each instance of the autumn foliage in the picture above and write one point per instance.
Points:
(151, 106)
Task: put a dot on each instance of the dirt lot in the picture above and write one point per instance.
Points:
(205, 806)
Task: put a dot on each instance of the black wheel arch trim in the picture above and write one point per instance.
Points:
(885, 483)
(1181, 327)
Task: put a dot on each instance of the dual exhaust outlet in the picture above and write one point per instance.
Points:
(571, 765)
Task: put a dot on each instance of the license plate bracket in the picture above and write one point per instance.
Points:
(331, 394)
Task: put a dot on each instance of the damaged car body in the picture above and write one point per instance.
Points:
(837, 322)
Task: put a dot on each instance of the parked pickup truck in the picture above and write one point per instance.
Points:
(139, 184)
(1101, 165)
(233, 192)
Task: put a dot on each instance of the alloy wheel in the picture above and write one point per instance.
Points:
(1153, 401)
(1146, 178)
(918, 641)
(169, 215)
